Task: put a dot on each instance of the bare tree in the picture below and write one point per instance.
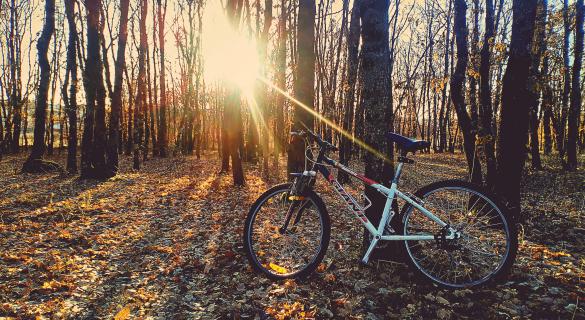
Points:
(18, 86)
(375, 97)
(93, 145)
(140, 86)
(232, 112)
(561, 124)
(162, 132)
(70, 99)
(486, 111)
(262, 96)
(114, 128)
(444, 108)
(304, 85)
(457, 93)
(515, 111)
(34, 163)
(280, 83)
(353, 41)
(533, 82)
(576, 98)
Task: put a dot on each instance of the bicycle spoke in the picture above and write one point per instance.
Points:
(470, 258)
(294, 249)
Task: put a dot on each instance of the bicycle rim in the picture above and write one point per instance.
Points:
(285, 255)
(482, 249)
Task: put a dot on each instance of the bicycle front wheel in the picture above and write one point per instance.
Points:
(283, 250)
(485, 244)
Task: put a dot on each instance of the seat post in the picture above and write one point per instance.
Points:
(402, 159)
(398, 172)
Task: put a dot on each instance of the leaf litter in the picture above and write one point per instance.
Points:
(165, 243)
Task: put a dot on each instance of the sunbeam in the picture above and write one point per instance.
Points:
(327, 121)
(261, 125)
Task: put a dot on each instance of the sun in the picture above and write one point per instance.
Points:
(228, 54)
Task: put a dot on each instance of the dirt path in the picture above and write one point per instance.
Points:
(166, 243)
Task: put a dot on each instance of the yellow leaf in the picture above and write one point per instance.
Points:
(277, 268)
(65, 235)
(123, 314)
(51, 285)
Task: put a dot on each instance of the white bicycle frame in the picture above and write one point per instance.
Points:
(387, 215)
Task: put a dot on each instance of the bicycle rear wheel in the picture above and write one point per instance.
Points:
(487, 241)
(296, 252)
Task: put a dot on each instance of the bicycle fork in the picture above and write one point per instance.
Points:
(297, 198)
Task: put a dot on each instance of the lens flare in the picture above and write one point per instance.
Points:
(330, 123)
(229, 54)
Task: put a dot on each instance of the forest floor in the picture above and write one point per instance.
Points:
(165, 243)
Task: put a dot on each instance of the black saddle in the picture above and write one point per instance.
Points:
(407, 144)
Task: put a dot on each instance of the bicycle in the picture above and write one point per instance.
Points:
(455, 233)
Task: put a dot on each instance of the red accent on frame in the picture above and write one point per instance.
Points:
(366, 180)
(364, 219)
(331, 177)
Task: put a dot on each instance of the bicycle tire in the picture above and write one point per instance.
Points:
(503, 213)
(324, 238)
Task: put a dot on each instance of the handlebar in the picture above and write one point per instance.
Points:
(317, 138)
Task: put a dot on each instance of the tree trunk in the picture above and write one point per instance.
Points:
(547, 102)
(444, 109)
(486, 111)
(515, 111)
(34, 163)
(353, 42)
(130, 113)
(114, 129)
(15, 98)
(280, 83)
(562, 119)
(533, 81)
(458, 95)
(55, 76)
(576, 98)
(71, 98)
(141, 86)
(147, 105)
(163, 144)
(375, 98)
(99, 130)
(232, 111)
(90, 79)
(575, 108)
(253, 122)
(473, 65)
(262, 96)
(304, 81)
